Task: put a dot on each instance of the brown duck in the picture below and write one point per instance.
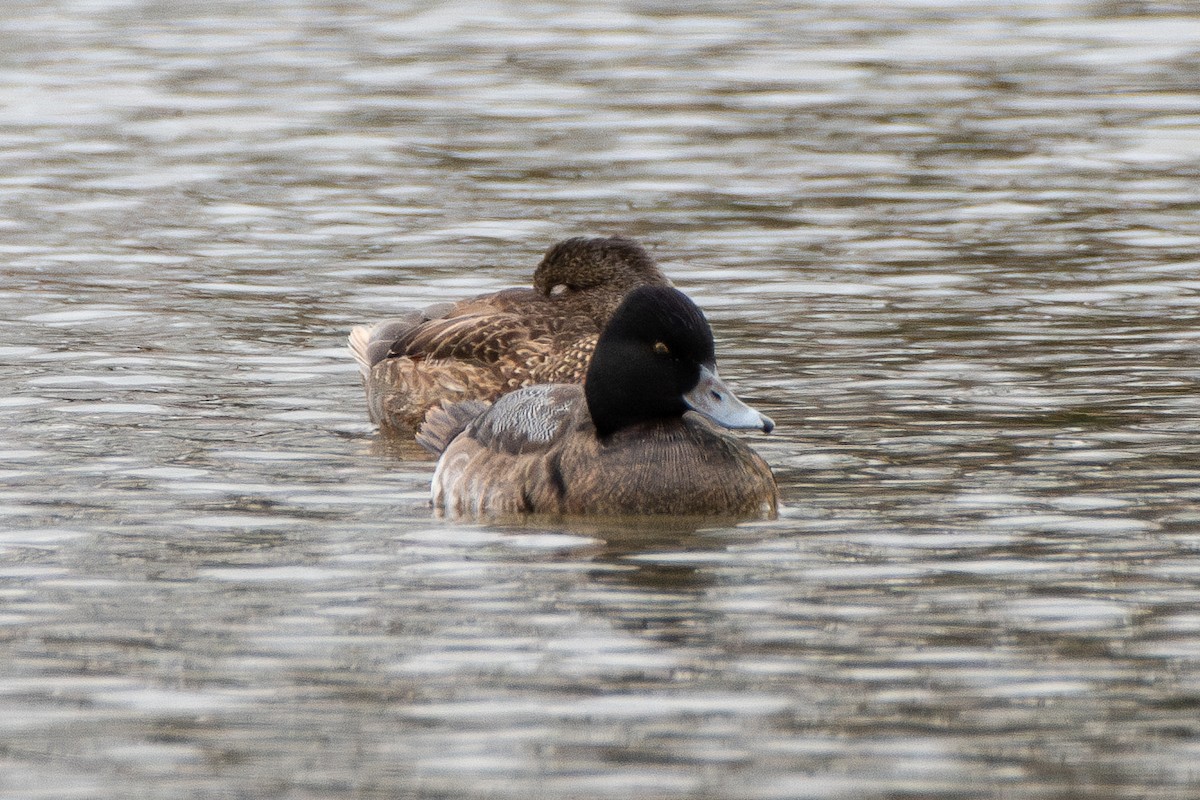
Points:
(485, 346)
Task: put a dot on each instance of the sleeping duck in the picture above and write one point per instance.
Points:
(638, 437)
(480, 348)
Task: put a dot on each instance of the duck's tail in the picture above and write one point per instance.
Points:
(370, 344)
(442, 424)
(360, 346)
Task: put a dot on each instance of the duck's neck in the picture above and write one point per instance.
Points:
(617, 399)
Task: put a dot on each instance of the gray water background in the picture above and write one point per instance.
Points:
(953, 248)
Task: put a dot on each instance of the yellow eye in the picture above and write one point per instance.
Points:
(662, 349)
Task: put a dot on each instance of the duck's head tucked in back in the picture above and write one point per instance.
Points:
(596, 272)
(626, 442)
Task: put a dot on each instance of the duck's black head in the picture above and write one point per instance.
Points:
(656, 360)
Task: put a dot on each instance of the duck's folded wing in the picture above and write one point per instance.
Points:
(531, 420)
(483, 338)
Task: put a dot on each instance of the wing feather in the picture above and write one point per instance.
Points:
(531, 420)
(481, 338)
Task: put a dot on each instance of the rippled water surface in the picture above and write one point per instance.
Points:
(953, 248)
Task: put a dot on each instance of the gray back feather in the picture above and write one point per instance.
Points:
(531, 419)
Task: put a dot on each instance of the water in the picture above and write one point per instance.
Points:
(950, 248)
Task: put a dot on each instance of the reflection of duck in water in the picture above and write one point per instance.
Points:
(480, 348)
(626, 442)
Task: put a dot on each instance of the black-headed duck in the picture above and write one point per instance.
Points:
(638, 437)
(480, 348)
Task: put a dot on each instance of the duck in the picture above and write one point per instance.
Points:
(482, 347)
(645, 434)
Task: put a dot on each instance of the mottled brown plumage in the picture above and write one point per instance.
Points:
(483, 347)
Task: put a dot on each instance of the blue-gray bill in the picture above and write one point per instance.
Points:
(715, 400)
